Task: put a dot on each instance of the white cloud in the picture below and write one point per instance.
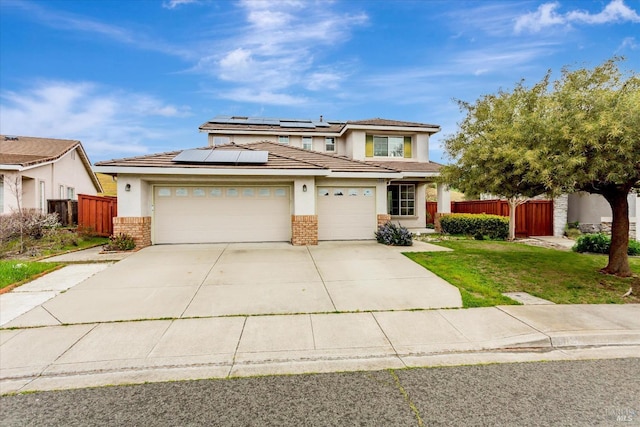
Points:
(106, 121)
(65, 21)
(616, 11)
(547, 16)
(263, 97)
(172, 4)
(628, 43)
(281, 47)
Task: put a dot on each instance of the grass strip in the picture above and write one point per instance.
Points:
(483, 270)
(18, 272)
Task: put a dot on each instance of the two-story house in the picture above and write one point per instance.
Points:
(264, 179)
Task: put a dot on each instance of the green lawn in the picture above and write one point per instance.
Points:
(16, 272)
(483, 270)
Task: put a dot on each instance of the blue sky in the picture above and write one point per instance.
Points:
(139, 76)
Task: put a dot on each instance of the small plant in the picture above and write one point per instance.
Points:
(395, 235)
(600, 243)
(120, 242)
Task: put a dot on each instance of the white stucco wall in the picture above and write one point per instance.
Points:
(421, 147)
(590, 208)
(304, 202)
(137, 201)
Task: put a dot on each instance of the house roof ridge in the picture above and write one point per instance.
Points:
(147, 156)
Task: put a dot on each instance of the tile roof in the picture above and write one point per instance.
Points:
(280, 157)
(222, 123)
(404, 166)
(393, 123)
(28, 151)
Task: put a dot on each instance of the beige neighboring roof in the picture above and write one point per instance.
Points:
(28, 151)
(280, 157)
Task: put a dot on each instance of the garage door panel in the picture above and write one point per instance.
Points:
(221, 214)
(346, 213)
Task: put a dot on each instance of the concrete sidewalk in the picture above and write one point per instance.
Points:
(95, 354)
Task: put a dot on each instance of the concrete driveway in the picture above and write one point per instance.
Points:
(182, 281)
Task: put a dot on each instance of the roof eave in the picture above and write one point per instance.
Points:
(145, 170)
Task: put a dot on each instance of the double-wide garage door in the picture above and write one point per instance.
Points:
(210, 214)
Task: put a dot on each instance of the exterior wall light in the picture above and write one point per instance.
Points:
(127, 187)
(304, 188)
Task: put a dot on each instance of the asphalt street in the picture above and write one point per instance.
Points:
(567, 393)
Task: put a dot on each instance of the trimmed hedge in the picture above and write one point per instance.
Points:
(477, 225)
(600, 243)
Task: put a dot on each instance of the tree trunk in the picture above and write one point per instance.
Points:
(513, 204)
(618, 257)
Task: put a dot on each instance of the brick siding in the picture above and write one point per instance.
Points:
(383, 219)
(304, 230)
(137, 227)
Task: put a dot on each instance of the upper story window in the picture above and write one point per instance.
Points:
(307, 142)
(283, 139)
(388, 146)
(219, 140)
(330, 143)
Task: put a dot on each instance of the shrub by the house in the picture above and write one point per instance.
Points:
(393, 234)
(120, 242)
(478, 225)
(600, 243)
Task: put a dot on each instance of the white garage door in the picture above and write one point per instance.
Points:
(346, 213)
(211, 214)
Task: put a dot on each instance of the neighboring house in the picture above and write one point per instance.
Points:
(279, 180)
(34, 170)
(593, 213)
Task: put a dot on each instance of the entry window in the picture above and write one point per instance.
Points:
(330, 144)
(71, 193)
(401, 199)
(388, 146)
(307, 142)
(283, 139)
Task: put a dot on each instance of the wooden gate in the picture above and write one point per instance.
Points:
(95, 214)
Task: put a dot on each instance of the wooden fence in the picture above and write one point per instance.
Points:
(66, 209)
(95, 214)
(534, 218)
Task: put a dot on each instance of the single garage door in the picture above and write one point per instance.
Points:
(211, 214)
(346, 213)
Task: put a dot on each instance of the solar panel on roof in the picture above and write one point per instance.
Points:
(308, 125)
(192, 156)
(253, 157)
(321, 124)
(222, 156)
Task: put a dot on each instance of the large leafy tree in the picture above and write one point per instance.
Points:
(580, 133)
(498, 146)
